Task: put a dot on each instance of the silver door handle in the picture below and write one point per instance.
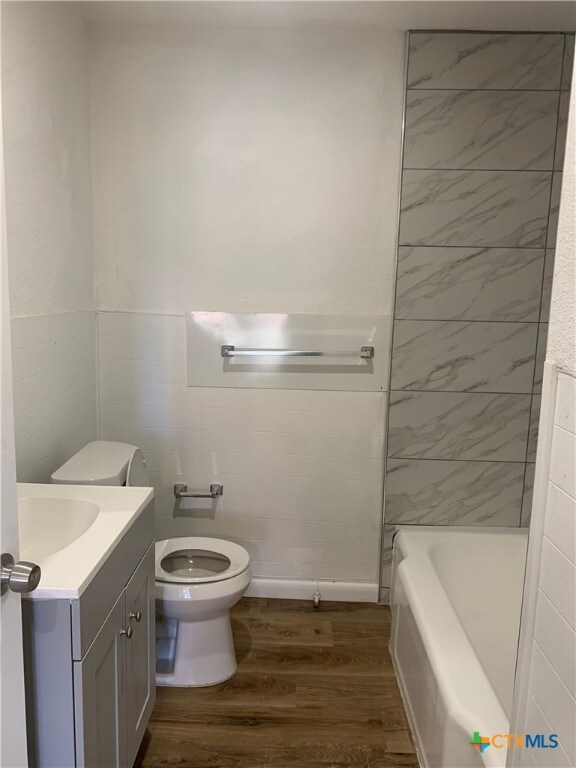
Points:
(19, 577)
(128, 632)
(137, 616)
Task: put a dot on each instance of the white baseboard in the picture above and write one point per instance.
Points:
(304, 589)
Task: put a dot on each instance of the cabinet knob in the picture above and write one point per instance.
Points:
(137, 615)
(128, 632)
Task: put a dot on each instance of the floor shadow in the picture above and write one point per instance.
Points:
(138, 763)
(242, 640)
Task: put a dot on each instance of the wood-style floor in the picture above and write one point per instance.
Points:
(314, 689)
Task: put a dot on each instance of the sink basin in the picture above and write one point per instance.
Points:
(49, 524)
(70, 531)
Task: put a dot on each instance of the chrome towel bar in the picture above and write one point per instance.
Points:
(228, 350)
(181, 492)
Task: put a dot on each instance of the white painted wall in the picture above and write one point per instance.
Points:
(246, 169)
(49, 230)
(47, 151)
(302, 470)
(256, 170)
(54, 374)
(546, 676)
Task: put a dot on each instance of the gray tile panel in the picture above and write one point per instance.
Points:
(484, 60)
(454, 492)
(540, 356)
(447, 283)
(513, 130)
(528, 495)
(561, 133)
(458, 356)
(547, 286)
(554, 210)
(454, 425)
(533, 435)
(468, 208)
(568, 64)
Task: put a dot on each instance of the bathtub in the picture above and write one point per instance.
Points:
(456, 605)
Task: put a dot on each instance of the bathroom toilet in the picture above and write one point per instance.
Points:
(198, 579)
(103, 462)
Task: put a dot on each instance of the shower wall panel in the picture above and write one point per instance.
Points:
(485, 128)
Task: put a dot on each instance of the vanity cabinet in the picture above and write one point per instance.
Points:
(141, 653)
(100, 682)
(90, 662)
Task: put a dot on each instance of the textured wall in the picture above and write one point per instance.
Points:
(550, 669)
(483, 153)
(49, 231)
(546, 681)
(47, 154)
(246, 170)
(54, 373)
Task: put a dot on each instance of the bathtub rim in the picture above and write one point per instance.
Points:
(424, 589)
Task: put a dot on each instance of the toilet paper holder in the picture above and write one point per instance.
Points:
(181, 492)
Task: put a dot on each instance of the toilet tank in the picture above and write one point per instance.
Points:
(103, 462)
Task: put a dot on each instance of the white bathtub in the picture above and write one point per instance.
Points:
(456, 604)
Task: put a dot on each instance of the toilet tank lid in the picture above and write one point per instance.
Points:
(101, 462)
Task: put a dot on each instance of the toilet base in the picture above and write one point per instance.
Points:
(205, 653)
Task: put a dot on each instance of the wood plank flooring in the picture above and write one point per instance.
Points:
(314, 689)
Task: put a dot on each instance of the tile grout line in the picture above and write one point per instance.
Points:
(484, 247)
(433, 169)
(459, 461)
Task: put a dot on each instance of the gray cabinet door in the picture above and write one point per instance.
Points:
(140, 652)
(100, 695)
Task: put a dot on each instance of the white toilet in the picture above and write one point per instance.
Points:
(198, 579)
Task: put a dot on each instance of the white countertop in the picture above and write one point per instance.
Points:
(67, 572)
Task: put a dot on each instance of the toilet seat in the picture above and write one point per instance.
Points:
(199, 560)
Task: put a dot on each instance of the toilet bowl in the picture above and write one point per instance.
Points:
(198, 580)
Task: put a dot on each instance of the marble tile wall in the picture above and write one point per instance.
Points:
(485, 127)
